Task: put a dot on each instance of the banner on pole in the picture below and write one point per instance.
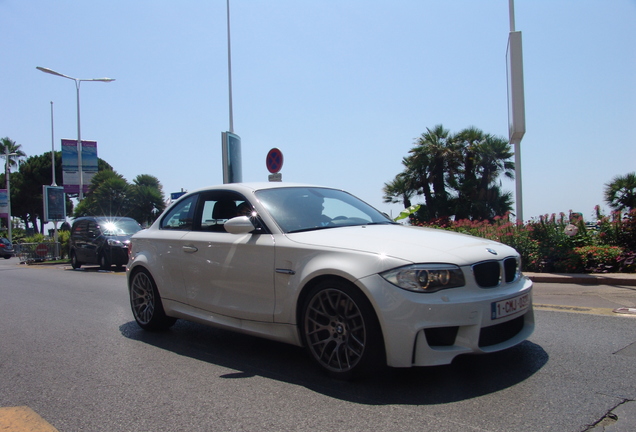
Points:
(54, 203)
(4, 203)
(70, 170)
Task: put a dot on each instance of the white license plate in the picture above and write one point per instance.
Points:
(508, 307)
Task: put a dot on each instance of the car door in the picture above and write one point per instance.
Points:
(166, 245)
(223, 273)
(94, 240)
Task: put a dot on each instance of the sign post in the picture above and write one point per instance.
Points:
(516, 104)
(232, 165)
(274, 163)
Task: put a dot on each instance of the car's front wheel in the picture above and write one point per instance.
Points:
(74, 262)
(341, 331)
(104, 262)
(146, 303)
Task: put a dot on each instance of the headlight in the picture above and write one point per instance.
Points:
(115, 243)
(425, 277)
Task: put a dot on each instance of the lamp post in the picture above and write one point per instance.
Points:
(79, 130)
(7, 170)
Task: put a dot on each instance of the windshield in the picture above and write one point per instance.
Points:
(120, 227)
(298, 209)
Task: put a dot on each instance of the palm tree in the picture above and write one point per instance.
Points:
(146, 199)
(436, 154)
(107, 196)
(620, 193)
(494, 155)
(9, 146)
(398, 190)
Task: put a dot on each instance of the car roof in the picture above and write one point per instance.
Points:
(255, 186)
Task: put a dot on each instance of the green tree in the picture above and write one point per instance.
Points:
(9, 146)
(15, 158)
(398, 190)
(620, 193)
(486, 159)
(27, 194)
(107, 196)
(457, 174)
(146, 199)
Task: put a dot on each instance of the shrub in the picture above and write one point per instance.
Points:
(560, 243)
(599, 259)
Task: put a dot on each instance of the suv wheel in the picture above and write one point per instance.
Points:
(104, 263)
(74, 262)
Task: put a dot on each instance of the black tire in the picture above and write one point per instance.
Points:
(146, 304)
(7, 256)
(74, 262)
(341, 331)
(104, 262)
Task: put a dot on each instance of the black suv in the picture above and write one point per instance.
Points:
(101, 240)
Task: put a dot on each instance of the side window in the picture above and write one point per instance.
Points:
(93, 230)
(80, 229)
(181, 216)
(220, 206)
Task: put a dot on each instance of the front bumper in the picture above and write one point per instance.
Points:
(432, 329)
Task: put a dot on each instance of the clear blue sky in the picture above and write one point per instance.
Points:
(343, 88)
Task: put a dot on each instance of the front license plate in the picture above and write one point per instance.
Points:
(508, 307)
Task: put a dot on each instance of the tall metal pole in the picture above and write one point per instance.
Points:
(229, 67)
(79, 132)
(79, 145)
(53, 183)
(511, 8)
(7, 173)
(516, 101)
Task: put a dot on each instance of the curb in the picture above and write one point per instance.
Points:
(584, 279)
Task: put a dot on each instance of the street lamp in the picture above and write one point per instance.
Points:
(79, 131)
(7, 170)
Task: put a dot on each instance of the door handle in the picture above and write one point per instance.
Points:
(189, 249)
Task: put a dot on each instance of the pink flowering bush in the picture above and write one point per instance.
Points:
(559, 243)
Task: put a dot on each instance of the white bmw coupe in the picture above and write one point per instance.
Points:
(317, 267)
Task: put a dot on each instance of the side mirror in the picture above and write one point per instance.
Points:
(239, 225)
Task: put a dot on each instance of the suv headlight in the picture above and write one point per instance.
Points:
(426, 278)
(115, 243)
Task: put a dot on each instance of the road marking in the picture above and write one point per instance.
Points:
(23, 419)
(580, 309)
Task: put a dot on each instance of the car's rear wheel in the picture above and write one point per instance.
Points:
(341, 331)
(146, 303)
(74, 262)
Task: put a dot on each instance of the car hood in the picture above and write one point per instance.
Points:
(412, 244)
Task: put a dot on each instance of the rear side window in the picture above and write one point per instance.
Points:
(181, 216)
(79, 230)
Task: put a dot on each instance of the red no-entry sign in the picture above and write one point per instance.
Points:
(41, 250)
(274, 160)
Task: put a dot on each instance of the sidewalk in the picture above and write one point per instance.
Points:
(599, 294)
(625, 279)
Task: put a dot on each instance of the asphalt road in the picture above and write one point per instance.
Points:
(71, 352)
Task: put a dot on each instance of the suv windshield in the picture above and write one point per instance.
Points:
(119, 227)
(298, 209)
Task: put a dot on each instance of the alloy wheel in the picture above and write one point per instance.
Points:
(335, 330)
